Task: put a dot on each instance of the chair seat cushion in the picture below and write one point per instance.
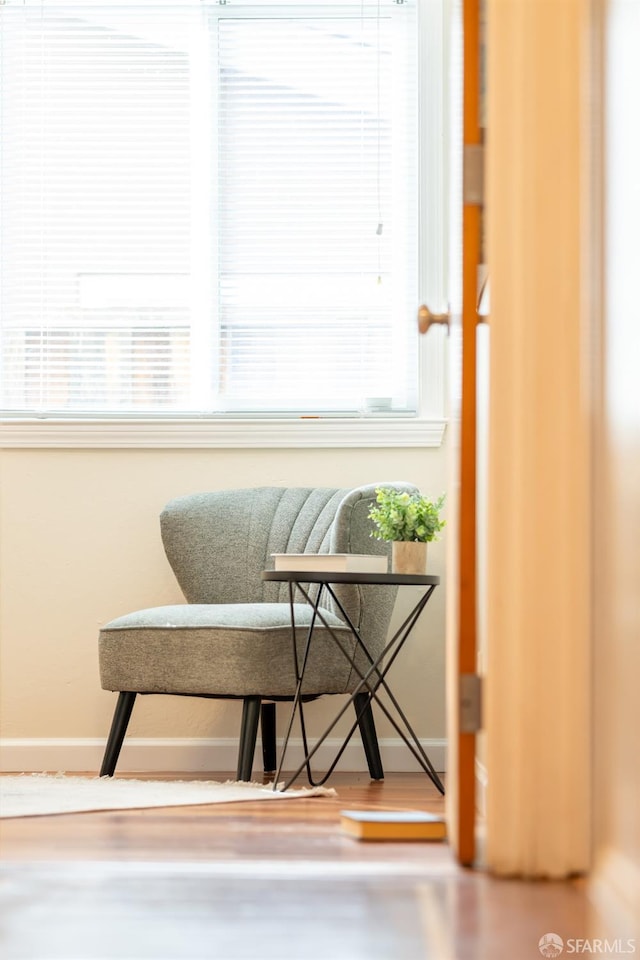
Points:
(212, 649)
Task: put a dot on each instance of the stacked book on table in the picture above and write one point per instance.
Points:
(330, 562)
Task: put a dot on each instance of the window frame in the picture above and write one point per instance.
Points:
(426, 428)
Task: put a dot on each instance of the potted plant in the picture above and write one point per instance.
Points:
(410, 521)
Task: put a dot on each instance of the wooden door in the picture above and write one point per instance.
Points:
(462, 806)
(462, 682)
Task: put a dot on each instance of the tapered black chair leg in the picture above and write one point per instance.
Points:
(268, 734)
(248, 736)
(119, 724)
(367, 726)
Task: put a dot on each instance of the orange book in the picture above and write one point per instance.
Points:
(393, 825)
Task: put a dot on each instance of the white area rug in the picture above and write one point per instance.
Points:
(33, 795)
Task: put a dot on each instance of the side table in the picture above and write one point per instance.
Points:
(374, 677)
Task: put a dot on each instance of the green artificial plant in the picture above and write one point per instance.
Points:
(406, 516)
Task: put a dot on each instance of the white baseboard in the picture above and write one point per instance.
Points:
(190, 755)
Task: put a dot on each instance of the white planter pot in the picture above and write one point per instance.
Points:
(408, 556)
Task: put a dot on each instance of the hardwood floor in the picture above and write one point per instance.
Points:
(252, 881)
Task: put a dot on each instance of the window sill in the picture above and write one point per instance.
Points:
(199, 434)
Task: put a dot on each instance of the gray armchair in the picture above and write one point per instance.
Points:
(232, 639)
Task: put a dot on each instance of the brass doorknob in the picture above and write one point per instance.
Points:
(426, 318)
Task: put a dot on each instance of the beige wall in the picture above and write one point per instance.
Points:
(80, 544)
(616, 510)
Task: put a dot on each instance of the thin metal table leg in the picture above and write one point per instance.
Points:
(393, 648)
(400, 636)
(297, 700)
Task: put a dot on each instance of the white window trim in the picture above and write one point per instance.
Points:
(190, 434)
(425, 430)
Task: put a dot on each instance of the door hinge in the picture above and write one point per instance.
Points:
(470, 703)
(473, 174)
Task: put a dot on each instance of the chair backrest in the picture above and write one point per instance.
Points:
(219, 543)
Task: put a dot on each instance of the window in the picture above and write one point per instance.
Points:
(209, 210)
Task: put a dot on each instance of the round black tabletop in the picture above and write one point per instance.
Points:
(330, 576)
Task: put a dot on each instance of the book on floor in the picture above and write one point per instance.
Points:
(330, 562)
(393, 825)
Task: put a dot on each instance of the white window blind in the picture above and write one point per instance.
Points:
(208, 210)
